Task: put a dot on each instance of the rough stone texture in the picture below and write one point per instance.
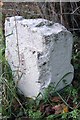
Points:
(41, 53)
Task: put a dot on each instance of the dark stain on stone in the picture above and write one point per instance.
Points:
(34, 52)
(47, 40)
(57, 74)
(44, 63)
(24, 25)
(38, 55)
(53, 50)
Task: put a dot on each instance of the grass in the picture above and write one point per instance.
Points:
(1, 47)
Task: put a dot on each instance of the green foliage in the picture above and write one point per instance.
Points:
(9, 89)
(34, 115)
(1, 49)
(74, 114)
(12, 105)
(64, 116)
(47, 93)
(76, 52)
(9, 92)
(50, 117)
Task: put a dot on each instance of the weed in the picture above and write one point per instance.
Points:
(34, 115)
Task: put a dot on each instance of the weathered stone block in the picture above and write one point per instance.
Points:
(40, 51)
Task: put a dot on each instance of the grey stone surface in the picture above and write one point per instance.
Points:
(41, 53)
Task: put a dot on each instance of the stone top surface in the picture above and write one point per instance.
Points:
(40, 25)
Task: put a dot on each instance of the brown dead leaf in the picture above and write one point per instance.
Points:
(47, 109)
(56, 99)
(60, 108)
(65, 109)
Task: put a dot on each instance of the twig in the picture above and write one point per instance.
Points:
(61, 12)
(75, 10)
(17, 40)
(77, 105)
(64, 101)
(17, 50)
(68, 14)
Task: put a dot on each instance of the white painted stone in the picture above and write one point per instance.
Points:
(43, 54)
